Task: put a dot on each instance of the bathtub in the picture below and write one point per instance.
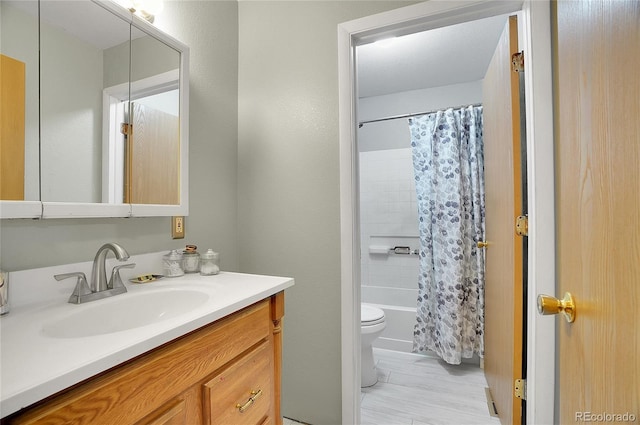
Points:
(399, 305)
(390, 282)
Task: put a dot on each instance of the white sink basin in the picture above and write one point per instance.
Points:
(125, 312)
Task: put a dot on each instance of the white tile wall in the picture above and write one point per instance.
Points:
(388, 218)
(387, 191)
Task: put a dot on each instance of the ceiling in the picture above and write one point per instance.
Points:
(438, 57)
(81, 19)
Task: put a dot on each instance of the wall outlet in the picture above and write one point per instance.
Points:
(177, 227)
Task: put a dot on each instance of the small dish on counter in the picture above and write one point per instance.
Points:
(146, 278)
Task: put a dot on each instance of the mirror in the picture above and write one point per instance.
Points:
(77, 40)
(113, 113)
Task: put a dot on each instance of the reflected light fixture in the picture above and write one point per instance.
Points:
(386, 42)
(147, 9)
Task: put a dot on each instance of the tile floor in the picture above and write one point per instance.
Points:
(419, 390)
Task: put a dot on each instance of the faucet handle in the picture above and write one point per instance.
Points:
(116, 280)
(81, 289)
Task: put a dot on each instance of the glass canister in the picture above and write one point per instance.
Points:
(172, 264)
(4, 292)
(209, 263)
(191, 259)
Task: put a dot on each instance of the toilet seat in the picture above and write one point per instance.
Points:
(370, 315)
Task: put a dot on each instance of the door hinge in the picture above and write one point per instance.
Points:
(520, 388)
(125, 128)
(517, 62)
(522, 225)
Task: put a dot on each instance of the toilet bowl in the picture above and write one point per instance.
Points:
(372, 323)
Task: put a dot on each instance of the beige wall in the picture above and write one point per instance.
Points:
(289, 183)
(210, 29)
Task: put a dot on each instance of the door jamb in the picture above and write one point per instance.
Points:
(536, 42)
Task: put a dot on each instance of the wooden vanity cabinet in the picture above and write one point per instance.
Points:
(227, 372)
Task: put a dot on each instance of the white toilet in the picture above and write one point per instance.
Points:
(372, 323)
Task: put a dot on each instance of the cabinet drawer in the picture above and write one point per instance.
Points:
(243, 392)
(267, 421)
(173, 413)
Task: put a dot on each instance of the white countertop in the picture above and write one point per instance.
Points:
(34, 366)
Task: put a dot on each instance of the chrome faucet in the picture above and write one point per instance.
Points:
(98, 272)
(100, 287)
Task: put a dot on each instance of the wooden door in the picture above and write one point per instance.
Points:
(504, 254)
(12, 112)
(152, 168)
(597, 122)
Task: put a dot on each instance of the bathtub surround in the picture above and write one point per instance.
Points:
(388, 218)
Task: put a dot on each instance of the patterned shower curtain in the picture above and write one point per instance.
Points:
(449, 173)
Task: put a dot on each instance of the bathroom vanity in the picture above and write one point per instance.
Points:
(210, 357)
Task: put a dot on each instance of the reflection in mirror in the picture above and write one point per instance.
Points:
(76, 63)
(19, 150)
(78, 133)
(152, 157)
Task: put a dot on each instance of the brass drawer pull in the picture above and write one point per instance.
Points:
(252, 399)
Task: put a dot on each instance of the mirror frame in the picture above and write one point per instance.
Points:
(40, 209)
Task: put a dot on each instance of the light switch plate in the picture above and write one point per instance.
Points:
(177, 227)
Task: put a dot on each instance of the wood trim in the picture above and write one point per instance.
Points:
(277, 312)
(277, 306)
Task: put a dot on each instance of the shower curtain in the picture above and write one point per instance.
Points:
(449, 173)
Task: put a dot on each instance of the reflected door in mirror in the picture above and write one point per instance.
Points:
(154, 151)
(12, 107)
(153, 157)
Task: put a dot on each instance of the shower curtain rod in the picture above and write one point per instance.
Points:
(415, 114)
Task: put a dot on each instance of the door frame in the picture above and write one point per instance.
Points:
(536, 41)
